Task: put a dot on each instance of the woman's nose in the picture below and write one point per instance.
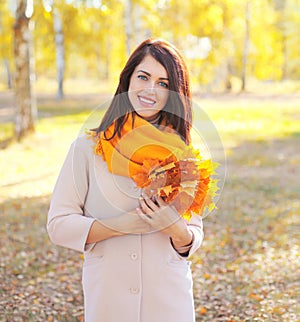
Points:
(151, 87)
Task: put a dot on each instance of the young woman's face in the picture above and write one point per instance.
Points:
(148, 88)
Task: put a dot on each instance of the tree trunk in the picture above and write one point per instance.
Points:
(8, 73)
(246, 46)
(25, 104)
(60, 52)
(128, 26)
(228, 43)
(107, 58)
(280, 6)
(285, 57)
(227, 82)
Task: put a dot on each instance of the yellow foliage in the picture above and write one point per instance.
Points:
(96, 38)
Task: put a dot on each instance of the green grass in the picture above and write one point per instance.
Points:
(31, 166)
(242, 119)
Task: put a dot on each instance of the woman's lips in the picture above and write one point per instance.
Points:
(145, 101)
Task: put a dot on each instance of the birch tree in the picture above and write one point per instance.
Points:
(25, 103)
(59, 44)
(246, 46)
(128, 26)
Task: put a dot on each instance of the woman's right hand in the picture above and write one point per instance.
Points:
(127, 223)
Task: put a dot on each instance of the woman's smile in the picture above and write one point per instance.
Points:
(146, 101)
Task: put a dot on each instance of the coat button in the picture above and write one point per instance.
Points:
(134, 290)
(134, 256)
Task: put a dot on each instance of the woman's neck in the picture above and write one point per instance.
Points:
(153, 119)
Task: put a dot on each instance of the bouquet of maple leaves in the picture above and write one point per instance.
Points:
(186, 184)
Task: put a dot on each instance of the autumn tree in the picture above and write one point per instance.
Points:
(246, 45)
(25, 105)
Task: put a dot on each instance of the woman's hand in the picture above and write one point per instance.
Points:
(165, 218)
(127, 223)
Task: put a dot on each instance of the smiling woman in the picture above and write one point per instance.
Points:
(156, 64)
(135, 244)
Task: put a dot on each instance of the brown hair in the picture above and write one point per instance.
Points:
(177, 112)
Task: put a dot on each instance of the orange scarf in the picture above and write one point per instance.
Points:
(161, 163)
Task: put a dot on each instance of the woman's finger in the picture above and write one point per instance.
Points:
(142, 215)
(145, 208)
(159, 201)
(148, 203)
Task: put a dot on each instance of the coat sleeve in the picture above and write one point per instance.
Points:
(196, 227)
(67, 225)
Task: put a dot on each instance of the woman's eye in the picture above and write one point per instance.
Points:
(142, 77)
(163, 84)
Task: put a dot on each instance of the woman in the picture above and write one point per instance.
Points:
(135, 244)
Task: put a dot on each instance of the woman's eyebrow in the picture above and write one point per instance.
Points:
(143, 71)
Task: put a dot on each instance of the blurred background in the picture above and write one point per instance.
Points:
(61, 59)
(229, 45)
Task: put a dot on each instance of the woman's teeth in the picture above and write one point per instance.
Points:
(146, 100)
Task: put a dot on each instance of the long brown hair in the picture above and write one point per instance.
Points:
(177, 112)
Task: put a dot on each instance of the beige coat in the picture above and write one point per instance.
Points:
(131, 278)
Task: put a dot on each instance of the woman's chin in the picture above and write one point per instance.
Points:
(147, 114)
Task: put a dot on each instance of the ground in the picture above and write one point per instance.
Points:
(248, 266)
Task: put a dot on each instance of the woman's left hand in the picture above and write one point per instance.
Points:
(165, 218)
